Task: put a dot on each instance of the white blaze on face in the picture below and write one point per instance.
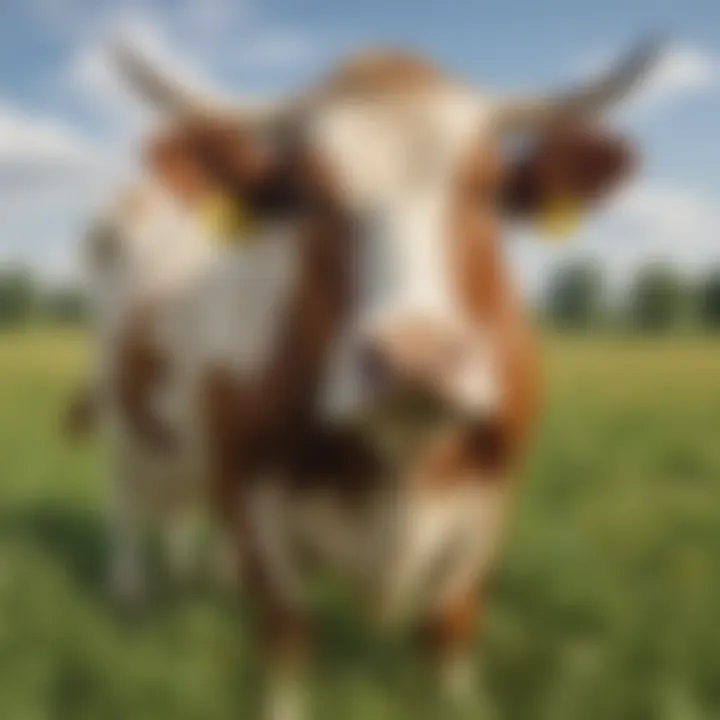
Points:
(397, 161)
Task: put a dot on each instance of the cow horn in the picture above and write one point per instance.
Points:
(173, 97)
(527, 113)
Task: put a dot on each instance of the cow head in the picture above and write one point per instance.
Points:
(415, 160)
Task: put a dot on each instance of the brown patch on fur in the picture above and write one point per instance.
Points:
(451, 631)
(172, 158)
(254, 425)
(485, 448)
(285, 635)
(230, 417)
(334, 459)
(141, 370)
(487, 294)
(580, 162)
(382, 71)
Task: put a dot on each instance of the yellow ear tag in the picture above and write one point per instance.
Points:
(559, 217)
(226, 219)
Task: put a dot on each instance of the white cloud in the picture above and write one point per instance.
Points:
(683, 71)
(649, 222)
(25, 138)
(676, 216)
(43, 213)
(51, 177)
(42, 219)
(662, 222)
(175, 43)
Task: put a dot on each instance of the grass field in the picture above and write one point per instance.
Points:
(606, 604)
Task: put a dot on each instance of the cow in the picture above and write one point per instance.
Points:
(351, 381)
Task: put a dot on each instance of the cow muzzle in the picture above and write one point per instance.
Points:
(420, 368)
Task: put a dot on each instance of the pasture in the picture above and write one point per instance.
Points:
(605, 606)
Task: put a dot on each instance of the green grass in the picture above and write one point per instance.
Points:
(606, 603)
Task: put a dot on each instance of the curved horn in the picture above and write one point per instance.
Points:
(590, 99)
(172, 96)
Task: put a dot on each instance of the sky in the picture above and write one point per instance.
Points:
(69, 130)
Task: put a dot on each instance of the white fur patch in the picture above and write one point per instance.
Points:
(242, 300)
(397, 162)
(391, 549)
(446, 539)
(211, 307)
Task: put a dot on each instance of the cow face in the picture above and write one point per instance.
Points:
(398, 162)
(414, 162)
(429, 188)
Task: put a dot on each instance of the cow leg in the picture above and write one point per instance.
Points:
(284, 639)
(274, 580)
(450, 635)
(127, 581)
(420, 534)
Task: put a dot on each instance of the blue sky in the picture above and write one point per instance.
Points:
(67, 127)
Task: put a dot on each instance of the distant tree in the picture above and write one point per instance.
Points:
(708, 300)
(574, 298)
(18, 296)
(64, 305)
(657, 299)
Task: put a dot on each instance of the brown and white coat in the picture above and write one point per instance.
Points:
(374, 289)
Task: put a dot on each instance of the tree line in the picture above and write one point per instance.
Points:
(25, 300)
(658, 299)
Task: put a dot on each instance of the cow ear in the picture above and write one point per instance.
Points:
(207, 156)
(573, 167)
(212, 158)
(172, 158)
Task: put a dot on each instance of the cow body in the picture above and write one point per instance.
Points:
(191, 337)
(354, 386)
(170, 305)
